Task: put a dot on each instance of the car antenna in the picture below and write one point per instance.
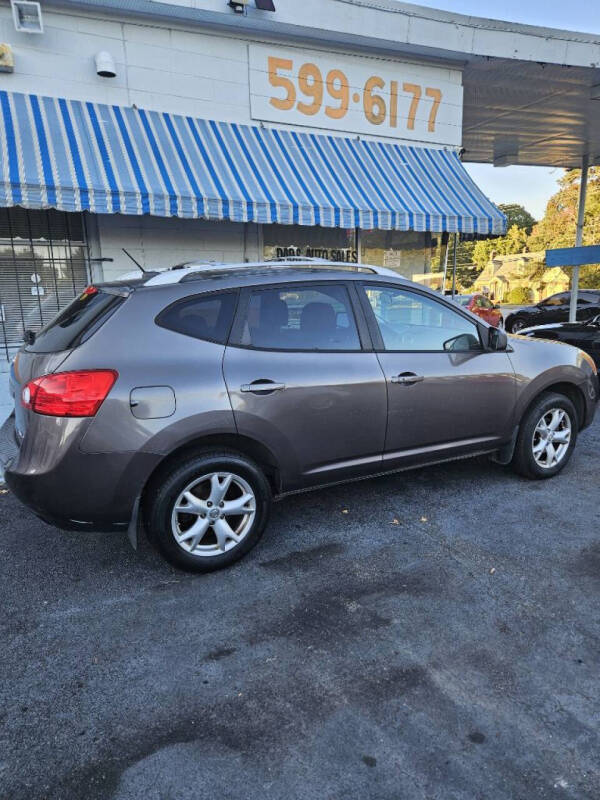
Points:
(137, 263)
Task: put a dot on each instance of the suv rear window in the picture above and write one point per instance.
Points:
(82, 317)
(203, 316)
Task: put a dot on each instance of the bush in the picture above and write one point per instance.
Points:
(518, 296)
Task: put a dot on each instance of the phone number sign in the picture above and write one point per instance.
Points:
(391, 99)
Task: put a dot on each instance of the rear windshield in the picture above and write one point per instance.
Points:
(78, 321)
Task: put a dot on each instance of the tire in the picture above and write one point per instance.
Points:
(517, 325)
(201, 477)
(532, 457)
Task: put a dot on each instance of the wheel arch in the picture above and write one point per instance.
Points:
(569, 390)
(242, 445)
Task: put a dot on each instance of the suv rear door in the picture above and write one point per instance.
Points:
(304, 382)
(446, 394)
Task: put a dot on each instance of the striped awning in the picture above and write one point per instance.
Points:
(76, 156)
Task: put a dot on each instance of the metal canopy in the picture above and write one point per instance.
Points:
(536, 114)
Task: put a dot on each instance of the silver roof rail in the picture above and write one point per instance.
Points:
(184, 272)
(296, 260)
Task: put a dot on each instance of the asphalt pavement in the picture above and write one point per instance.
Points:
(435, 634)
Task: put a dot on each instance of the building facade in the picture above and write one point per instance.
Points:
(199, 144)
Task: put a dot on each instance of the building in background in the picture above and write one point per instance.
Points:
(184, 131)
(521, 271)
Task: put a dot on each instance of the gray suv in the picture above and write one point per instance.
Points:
(186, 400)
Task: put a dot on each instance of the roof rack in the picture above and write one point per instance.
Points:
(198, 270)
(296, 260)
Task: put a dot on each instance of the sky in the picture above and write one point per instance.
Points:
(529, 186)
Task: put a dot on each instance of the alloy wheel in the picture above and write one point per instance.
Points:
(517, 326)
(213, 514)
(551, 438)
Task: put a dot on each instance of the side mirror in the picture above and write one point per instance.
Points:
(497, 339)
(463, 343)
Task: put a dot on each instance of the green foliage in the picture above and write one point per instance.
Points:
(589, 277)
(483, 250)
(517, 215)
(518, 296)
(515, 241)
(557, 228)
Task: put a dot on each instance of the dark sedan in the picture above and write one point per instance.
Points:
(554, 309)
(585, 335)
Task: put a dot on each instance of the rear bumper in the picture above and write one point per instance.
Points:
(71, 489)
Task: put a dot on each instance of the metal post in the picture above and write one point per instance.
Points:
(579, 236)
(454, 266)
(446, 249)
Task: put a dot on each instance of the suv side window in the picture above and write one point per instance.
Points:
(412, 322)
(300, 317)
(203, 316)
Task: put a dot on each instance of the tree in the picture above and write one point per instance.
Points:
(557, 227)
(517, 215)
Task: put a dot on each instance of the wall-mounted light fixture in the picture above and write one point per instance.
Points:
(105, 65)
(27, 16)
(239, 6)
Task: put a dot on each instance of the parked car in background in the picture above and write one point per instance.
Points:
(585, 335)
(554, 309)
(484, 308)
(185, 401)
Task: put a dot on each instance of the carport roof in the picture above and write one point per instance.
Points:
(528, 89)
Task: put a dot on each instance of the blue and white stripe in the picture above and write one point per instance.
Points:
(83, 156)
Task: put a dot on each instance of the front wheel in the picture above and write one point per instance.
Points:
(547, 437)
(209, 511)
(517, 325)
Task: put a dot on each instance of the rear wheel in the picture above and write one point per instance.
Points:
(208, 512)
(547, 436)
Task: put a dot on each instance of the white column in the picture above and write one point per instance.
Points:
(579, 236)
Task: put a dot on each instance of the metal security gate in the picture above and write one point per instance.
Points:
(44, 264)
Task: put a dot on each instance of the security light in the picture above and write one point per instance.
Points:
(105, 65)
(27, 16)
(238, 6)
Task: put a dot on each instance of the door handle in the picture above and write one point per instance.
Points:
(407, 378)
(262, 387)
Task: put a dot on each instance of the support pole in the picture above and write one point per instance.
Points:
(579, 236)
(446, 249)
(454, 266)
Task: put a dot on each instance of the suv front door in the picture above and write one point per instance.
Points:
(446, 394)
(301, 383)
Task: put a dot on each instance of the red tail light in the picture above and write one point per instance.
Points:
(69, 394)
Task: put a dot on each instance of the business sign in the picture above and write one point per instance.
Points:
(392, 99)
(573, 256)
